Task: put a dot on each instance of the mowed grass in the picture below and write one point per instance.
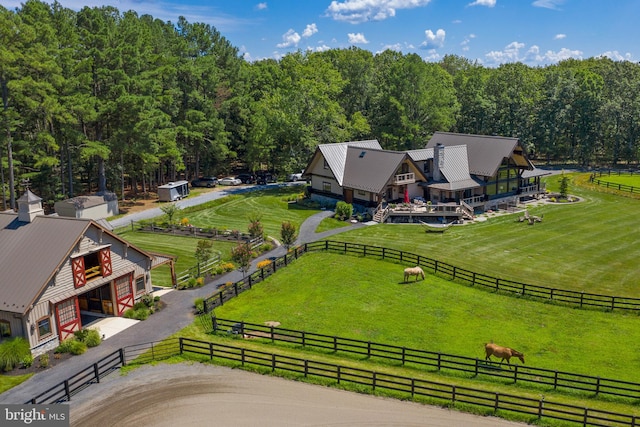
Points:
(233, 212)
(591, 246)
(630, 180)
(365, 299)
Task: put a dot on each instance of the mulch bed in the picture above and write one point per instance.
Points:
(54, 359)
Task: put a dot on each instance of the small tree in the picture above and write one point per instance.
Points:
(255, 226)
(288, 233)
(170, 211)
(241, 255)
(203, 252)
(564, 186)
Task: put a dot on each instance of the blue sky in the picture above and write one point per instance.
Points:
(535, 32)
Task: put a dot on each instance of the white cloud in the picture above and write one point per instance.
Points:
(356, 11)
(433, 39)
(261, 6)
(310, 30)
(617, 56)
(432, 56)
(560, 36)
(290, 38)
(466, 41)
(358, 38)
(513, 52)
(320, 48)
(548, 4)
(395, 47)
(487, 3)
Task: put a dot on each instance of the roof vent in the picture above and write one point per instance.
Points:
(362, 154)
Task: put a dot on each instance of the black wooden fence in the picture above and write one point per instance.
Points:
(620, 187)
(439, 393)
(442, 269)
(551, 379)
(435, 392)
(93, 373)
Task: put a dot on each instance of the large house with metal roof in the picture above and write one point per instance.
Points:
(454, 177)
(57, 272)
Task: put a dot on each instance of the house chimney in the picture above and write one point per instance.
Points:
(438, 161)
(29, 206)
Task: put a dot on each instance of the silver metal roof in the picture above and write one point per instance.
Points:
(336, 155)
(485, 153)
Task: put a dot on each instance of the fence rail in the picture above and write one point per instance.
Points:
(607, 184)
(553, 379)
(410, 387)
(451, 272)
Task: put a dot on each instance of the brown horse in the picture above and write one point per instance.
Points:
(415, 271)
(505, 353)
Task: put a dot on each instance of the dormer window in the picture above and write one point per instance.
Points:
(90, 266)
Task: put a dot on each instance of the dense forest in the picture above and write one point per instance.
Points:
(100, 100)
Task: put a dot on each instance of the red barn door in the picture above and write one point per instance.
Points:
(124, 293)
(68, 317)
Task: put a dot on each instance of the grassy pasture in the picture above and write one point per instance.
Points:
(631, 180)
(365, 299)
(589, 246)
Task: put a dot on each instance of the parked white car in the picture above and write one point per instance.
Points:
(295, 177)
(229, 181)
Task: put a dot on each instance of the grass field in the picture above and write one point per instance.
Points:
(630, 180)
(437, 315)
(589, 246)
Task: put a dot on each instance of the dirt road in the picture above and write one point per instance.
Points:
(204, 395)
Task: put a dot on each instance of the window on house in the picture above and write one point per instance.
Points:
(361, 193)
(326, 165)
(326, 186)
(44, 327)
(5, 329)
(140, 285)
(92, 265)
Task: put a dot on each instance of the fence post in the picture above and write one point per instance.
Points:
(383, 253)
(453, 394)
(122, 359)
(66, 389)
(338, 372)
(597, 385)
(555, 381)
(581, 298)
(369, 349)
(335, 344)
(473, 279)
(306, 368)
(242, 356)
(515, 373)
(96, 372)
(221, 299)
(373, 381)
(273, 363)
(439, 359)
(413, 386)
(250, 280)
(181, 345)
(214, 322)
(497, 403)
(235, 288)
(404, 350)
(540, 406)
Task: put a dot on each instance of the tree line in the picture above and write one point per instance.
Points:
(99, 100)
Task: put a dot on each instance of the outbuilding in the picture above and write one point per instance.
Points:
(173, 191)
(90, 207)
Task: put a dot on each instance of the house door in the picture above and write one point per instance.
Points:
(348, 196)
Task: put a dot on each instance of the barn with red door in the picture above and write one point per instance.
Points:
(55, 271)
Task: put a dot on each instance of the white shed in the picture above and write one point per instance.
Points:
(89, 207)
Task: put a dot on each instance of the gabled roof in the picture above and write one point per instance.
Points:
(336, 155)
(83, 202)
(485, 153)
(371, 169)
(31, 254)
(455, 169)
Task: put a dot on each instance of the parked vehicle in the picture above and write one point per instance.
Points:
(229, 181)
(173, 191)
(207, 181)
(295, 176)
(264, 178)
(246, 178)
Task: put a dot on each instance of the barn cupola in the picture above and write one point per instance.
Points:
(29, 206)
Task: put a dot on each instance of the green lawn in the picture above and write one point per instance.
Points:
(365, 299)
(631, 180)
(589, 246)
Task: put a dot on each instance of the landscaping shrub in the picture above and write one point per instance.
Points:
(344, 210)
(265, 247)
(92, 339)
(199, 305)
(137, 313)
(12, 353)
(44, 360)
(27, 361)
(77, 347)
(263, 264)
(65, 346)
